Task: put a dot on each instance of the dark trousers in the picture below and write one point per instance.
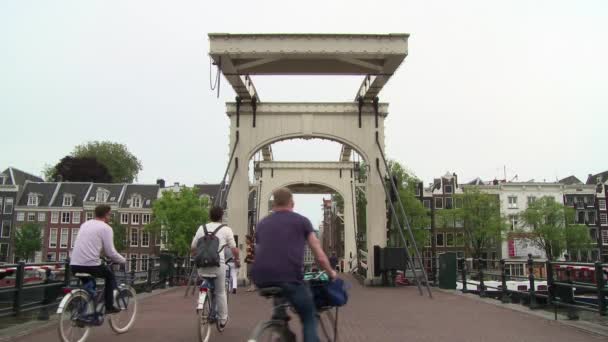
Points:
(103, 272)
(300, 297)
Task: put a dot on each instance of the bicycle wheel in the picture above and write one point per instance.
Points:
(272, 332)
(77, 306)
(126, 300)
(203, 321)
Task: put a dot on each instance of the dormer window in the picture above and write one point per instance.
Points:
(68, 200)
(136, 201)
(2, 179)
(102, 195)
(32, 200)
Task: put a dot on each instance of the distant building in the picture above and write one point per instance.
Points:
(12, 181)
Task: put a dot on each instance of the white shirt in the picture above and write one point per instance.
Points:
(225, 235)
(93, 237)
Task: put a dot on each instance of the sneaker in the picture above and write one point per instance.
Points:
(223, 325)
(112, 310)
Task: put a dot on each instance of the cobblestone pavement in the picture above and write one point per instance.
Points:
(372, 314)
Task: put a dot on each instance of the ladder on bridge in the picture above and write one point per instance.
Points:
(415, 259)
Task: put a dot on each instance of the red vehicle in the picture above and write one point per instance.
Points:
(32, 275)
(578, 273)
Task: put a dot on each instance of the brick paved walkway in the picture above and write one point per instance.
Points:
(373, 314)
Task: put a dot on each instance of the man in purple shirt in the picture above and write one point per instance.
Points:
(279, 258)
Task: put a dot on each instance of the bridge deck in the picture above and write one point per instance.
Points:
(373, 314)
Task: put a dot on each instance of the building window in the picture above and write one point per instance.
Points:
(41, 217)
(3, 252)
(32, 200)
(593, 234)
(55, 217)
(133, 262)
(124, 218)
(145, 218)
(76, 218)
(513, 221)
(145, 238)
(427, 203)
(53, 238)
(449, 203)
(459, 239)
(31, 217)
(591, 217)
(63, 256)
(20, 217)
(601, 202)
(8, 205)
(604, 237)
(65, 217)
(516, 270)
(102, 195)
(458, 203)
(134, 237)
(439, 240)
(51, 256)
(512, 202)
(449, 239)
(531, 199)
(89, 215)
(581, 217)
(438, 203)
(144, 262)
(74, 236)
(68, 200)
(135, 218)
(63, 241)
(136, 201)
(6, 229)
(447, 189)
(603, 219)
(157, 238)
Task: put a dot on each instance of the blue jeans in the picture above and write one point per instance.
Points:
(300, 297)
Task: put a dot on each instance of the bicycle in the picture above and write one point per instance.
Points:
(277, 328)
(83, 307)
(207, 308)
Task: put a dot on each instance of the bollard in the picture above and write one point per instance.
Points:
(503, 277)
(463, 271)
(601, 287)
(532, 289)
(572, 314)
(43, 314)
(19, 288)
(482, 285)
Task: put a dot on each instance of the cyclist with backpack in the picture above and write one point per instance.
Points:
(207, 247)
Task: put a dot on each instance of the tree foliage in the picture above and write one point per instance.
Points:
(553, 230)
(121, 164)
(28, 241)
(478, 214)
(80, 169)
(177, 216)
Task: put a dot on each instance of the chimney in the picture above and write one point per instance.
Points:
(176, 184)
(161, 183)
(455, 180)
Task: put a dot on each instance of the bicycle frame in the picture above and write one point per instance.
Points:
(207, 288)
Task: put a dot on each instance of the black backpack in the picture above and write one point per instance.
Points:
(207, 249)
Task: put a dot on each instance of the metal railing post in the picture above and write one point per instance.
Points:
(532, 290)
(503, 277)
(463, 272)
(601, 287)
(67, 274)
(132, 270)
(482, 285)
(572, 314)
(43, 314)
(149, 280)
(19, 288)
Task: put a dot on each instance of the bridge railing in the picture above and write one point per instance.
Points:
(27, 287)
(557, 284)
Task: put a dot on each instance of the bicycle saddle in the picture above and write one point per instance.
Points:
(82, 275)
(271, 291)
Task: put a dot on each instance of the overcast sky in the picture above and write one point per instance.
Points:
(487, 84)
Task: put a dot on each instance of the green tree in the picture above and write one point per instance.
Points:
(27, 241)
(178, 215)
(479, 216)
(122, 165)
(553, 229)
(120, 234)
(417, 214)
